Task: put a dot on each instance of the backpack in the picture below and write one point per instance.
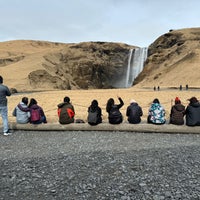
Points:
(115, 116)
(92, 117)
(35, 115)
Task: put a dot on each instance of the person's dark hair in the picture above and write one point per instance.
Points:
(193, 100)
(66, 99)
(1, 79)
(156, 101)
(32, 102)
(94, 104)
(109, 105)
(25, 100)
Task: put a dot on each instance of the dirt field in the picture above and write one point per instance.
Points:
(81, 99)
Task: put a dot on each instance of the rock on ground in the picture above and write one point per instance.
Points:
(99, 165)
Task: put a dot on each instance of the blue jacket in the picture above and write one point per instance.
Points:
(156, 114)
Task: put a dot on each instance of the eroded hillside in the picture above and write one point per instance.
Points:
(173, 60)
(37, 65)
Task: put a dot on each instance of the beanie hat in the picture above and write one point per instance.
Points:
(177, 100)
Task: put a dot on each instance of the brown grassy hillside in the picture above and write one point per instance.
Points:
(174, 59)
(19, 58)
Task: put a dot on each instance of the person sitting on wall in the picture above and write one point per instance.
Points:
(114, 114)
(37, 113)
(134, 112)
(177, 113)
(66, 111)
(94, 113)
(22, 112)
(156, 113)
(193, 112)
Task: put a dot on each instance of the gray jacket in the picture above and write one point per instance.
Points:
(4, 91)
(22, 117)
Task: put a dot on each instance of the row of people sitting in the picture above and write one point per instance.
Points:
(156, 114)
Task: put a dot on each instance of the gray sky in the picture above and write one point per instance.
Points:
(135, 22)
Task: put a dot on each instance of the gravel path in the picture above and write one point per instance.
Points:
(99, 165)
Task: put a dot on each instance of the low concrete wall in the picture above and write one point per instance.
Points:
(142, 127)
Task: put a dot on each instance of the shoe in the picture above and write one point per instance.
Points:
(7, 133)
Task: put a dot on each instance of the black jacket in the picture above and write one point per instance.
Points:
(193, 114)
(134, 113)
(114, 115)
(99, 114)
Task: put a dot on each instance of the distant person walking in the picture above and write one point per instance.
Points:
(193, 112)
(134, 112)
(22, 112)
(66, 111)
(177, 113)
(114, 114)
(4, 92)
(156, 113)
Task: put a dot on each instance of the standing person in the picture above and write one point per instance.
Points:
(156, 113)
(94, 113)
(193, 112)
(114, 114)
(66, 111)
(177, 113)
(22, 112)
(134, 112)
(37, 113)
(4, 92)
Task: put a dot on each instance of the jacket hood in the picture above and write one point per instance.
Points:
(155, 105)
(134, 104)
(23, 105)
(60, 105)
(197, 104)
(34, 106)
(179, 107)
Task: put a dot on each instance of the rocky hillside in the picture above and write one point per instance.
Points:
(36, 65)
(173, 60)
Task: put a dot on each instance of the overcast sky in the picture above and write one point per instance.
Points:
(135, 22)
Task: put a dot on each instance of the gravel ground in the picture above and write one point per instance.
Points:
(99, 165)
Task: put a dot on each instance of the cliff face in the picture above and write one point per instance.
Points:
(89, 65)
(45, 65)
(173, 59)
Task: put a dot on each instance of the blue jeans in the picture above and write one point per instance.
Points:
(4, 115)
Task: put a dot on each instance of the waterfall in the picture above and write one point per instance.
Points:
(128, 77)
(135, 65)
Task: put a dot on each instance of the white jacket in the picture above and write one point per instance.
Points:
(22, 117)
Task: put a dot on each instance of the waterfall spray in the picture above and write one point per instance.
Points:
(135, 65)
